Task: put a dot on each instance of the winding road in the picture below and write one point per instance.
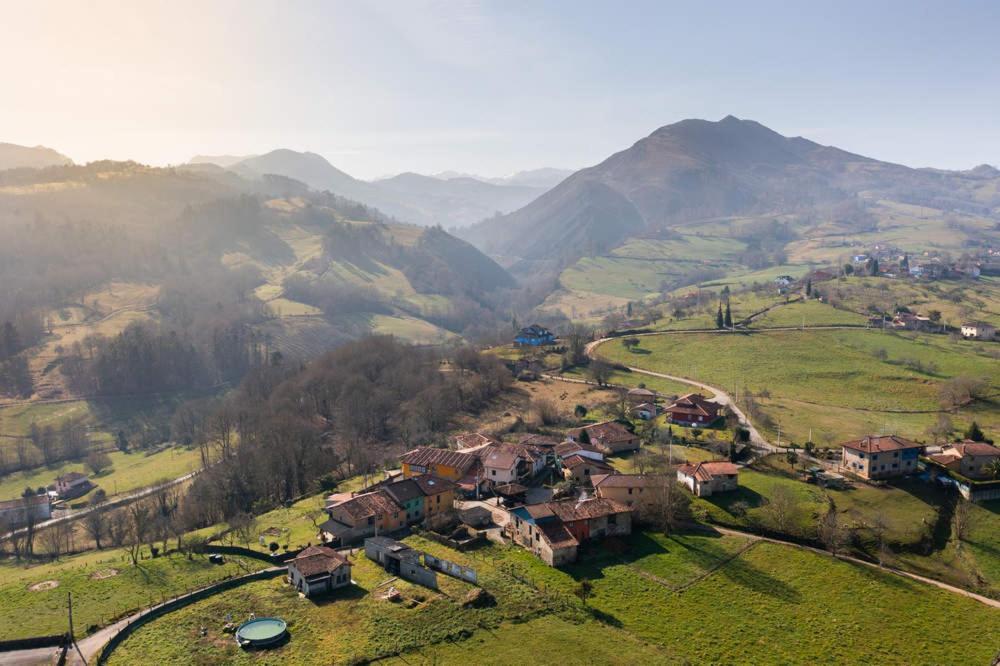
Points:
(718, 395)
(111, 503)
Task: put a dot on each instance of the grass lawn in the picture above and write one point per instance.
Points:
(811, 312)
(909, 507)
(812, 375)
(129, 471)
(789, 606)
(544, 641)
(104, 584)
(634, 379)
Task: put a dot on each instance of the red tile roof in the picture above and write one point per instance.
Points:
(361, 507)
(580, 461)
(693, 404)
(426, 456)
(706, 471)
(569, 448)
(627, 480)
(572, 510)
(317, 560)
(970, 448)
(539, 440)
(607, 432)
(879, 443)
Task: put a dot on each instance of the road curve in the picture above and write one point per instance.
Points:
(718, 395)
(111, 503)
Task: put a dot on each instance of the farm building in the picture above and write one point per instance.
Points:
(638, 396)
(880, 456)
(645, 411)
(399, 559)
(72, 485)
(640, 492)
(705, 479)
(318, 570)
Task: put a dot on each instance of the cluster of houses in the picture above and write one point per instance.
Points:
(967, 464)
(478, 466)
(892, 262)
(34, 509)
(692, 410)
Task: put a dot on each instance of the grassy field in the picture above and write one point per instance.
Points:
(655, 599)
(811, 313)
(838, 384)
(104, 584)
(129, 471)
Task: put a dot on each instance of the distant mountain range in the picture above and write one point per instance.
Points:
(13, 156)
(546, 177)
(698, 170)
(409, 197)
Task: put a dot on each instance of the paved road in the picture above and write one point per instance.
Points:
(718, 395)
(115, 501)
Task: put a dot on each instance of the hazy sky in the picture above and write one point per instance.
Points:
(493, 87)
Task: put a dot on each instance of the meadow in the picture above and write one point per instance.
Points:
(650, 600)
(105, 586)
(834, 384)
(128, 472)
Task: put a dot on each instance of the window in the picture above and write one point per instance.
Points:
(493, 472)
(629, 491)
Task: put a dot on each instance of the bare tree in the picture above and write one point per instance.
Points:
(670, 504)
(546, 410)
(964, 520)
(55, 540)
(782, 509)
(94, 524)
(137, 522)
(880, 529)
(831, 533)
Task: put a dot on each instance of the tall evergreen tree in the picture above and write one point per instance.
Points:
(729, 317)
(719, 321)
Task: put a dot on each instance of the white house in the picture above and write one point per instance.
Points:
(979, 329)
(708, 478)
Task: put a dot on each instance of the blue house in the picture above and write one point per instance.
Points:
(535, 336)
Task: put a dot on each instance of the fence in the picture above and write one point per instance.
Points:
(179, 602)
(247, 552)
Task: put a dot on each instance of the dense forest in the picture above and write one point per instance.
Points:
(286, 427)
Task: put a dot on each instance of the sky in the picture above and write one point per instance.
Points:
(494, 87)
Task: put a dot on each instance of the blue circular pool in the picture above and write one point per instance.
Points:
(261, 632)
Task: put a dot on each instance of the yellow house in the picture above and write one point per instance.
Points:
(443, 463)
(439, 494)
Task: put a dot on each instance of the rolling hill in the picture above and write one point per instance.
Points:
(692, 171)
(13, 156)
(306, 269)
(408, 197)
